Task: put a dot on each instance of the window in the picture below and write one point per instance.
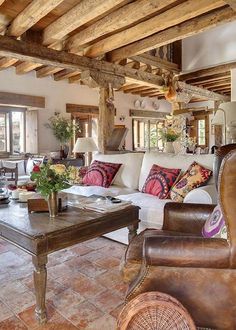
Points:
(12, 130)
(146, 134)
(201, 132)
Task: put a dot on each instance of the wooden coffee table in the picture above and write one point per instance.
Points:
(39, 235)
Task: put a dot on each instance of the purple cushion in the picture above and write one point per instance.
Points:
(215, 225)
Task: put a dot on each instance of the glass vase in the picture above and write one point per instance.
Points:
(53, 204)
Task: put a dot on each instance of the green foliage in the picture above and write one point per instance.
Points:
(169, 135)
(51, 178)
(62, 128)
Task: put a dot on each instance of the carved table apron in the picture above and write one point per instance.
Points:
(39, 235)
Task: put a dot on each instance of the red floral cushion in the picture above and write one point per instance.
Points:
(160, 180)
(101, 174)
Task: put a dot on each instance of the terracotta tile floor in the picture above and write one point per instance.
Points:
(84, 291)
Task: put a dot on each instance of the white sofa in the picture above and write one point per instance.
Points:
(130, 178)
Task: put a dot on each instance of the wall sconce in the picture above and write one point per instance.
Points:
(122, 118)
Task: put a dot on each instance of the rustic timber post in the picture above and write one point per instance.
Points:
(106, 82)
(106, 117)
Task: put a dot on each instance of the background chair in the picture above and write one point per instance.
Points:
(199, 272)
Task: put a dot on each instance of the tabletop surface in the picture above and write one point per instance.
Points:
(15, 216)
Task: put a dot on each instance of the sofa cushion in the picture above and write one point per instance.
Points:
(128, 174)
(101, 173)
(160, 180)
(173, 161)
(215, 225)
(194, 177)
(152, 208)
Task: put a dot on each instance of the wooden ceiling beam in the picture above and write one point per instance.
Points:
(156, 62)
(201, 92)
(128, 86)
(137, 89)
(116, 20)
(46, 71)
(26, 67)
(5, 62)
(173, 16)
(208, 79)
(221, 68)
(36, 10)
(231, 3)
(146, 92)
(217, 84)
(74, 79)
(24, 51)
(174, 33)
(65, 74)
(85, 11)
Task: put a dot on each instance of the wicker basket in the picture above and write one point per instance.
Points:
(154, 311)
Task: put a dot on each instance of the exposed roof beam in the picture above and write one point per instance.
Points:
(136, 89)
(216, 84)
(46, 71)
(210, 78)
(201, 92)
(221, 68)
(31, 15)
(116, 20)
(64, 74)
(39, 54)
(181, 31)
(74, 79)
(173, 16)
(25, 67)
(80, 14)
(6, 62)
(232, 3)
(156, 62)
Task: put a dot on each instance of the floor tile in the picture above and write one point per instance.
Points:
(5, 312)
(12, 323)
(84, 314)
(107, 301)
(106, 322)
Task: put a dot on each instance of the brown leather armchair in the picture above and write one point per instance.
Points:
(199, 272)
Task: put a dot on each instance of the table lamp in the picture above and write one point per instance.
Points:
(86, 145)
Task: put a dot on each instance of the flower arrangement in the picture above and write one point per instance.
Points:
(63, 129)
(51, 178)
(168, 134)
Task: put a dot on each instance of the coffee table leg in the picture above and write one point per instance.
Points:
(40, 281)
(132, 231)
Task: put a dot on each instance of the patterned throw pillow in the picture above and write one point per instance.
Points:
(215, 225)
(194, 177)
(159, 181)
(101, 174)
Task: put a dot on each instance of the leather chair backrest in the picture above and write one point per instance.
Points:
(227, 198)
(220, 153)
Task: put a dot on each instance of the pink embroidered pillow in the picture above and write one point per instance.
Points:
(100, 174)
(195, 176)
(215, 225)
(160, 180)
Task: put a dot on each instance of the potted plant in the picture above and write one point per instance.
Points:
(169, 135)
(50, 179)
(63, 129)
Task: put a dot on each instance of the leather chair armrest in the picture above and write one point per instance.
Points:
(186, 218)
(186, 252)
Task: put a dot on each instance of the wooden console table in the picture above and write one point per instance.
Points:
(39, 235)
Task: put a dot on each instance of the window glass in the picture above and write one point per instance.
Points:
(201, 132)
(3, 132)
(12, 131)
(146, 134)
(17, 132)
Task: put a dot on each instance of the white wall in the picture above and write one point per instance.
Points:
(57, 94)
(209, 48)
